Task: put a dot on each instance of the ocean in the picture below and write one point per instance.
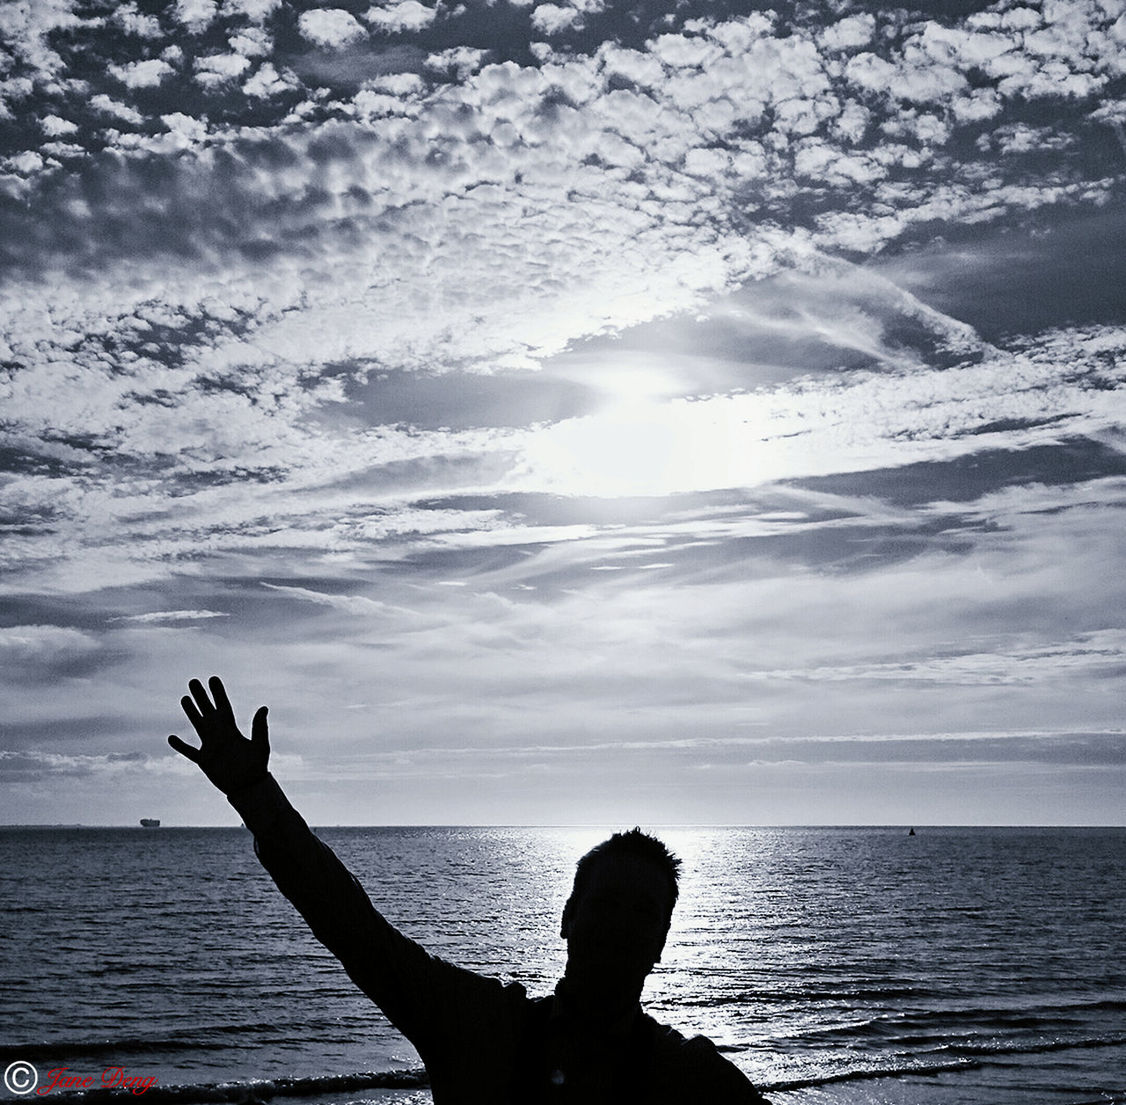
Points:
(967, 966)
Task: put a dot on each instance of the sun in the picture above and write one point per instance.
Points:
(640, 446)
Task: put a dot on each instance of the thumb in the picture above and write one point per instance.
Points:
(259, 731)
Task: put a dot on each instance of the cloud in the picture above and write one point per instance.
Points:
(815, 427)
(899, 406)
(142, 74)
(53, 126)
(267, 81)
(693, 664)
(1102, 652)
(157, 617)
(109, 106)
(358, 605)
(1018, 138)
(255, 10)
(848, 33)
(135, 22)
(251, 42)
(217, 68)
(27, 28)
(459, 61)
(1060, 748)
(332, 27)
(19, 767)
(43, 643)
(196, 15)
(406, 15)
(550, 19)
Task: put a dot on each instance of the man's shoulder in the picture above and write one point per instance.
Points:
(688, 1049)
(694, 1065)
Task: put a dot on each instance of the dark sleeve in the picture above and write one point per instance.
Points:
(712, 1079)
(418, 992)
(732, 1087)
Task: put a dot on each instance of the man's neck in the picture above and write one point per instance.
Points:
(606, 1012)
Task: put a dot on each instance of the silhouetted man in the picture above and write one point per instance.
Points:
(485, 1043)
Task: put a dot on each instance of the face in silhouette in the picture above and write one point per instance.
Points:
(615, 929)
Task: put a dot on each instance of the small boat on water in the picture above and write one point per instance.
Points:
(150, 822)
(910, 833)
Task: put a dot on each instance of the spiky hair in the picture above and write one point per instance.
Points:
(635, 844)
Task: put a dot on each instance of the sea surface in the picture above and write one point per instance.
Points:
(966, 966)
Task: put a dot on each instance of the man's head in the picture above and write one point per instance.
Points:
(617, 917)
(634, 845)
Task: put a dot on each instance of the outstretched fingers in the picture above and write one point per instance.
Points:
(226, 757)
(191, 710)
(185, 750)
(199, 695)
(206, 717)
(222, 703)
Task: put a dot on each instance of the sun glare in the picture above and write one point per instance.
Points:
(641, 447)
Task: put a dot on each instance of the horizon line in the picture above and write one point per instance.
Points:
(596, 825)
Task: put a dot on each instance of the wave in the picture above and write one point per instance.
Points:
(1042, 1048)
(773, 996)
(938, 1026)
(963, 1057)
(200, 1039)
(257, 1091)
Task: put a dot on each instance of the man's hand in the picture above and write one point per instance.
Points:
(225, 756)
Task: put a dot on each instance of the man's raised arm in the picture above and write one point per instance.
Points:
(416, 991)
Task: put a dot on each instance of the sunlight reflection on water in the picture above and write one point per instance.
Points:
(801, 952)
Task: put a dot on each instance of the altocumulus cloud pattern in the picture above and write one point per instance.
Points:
(621, 374)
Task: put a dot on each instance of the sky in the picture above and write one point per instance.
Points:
(568, 413)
